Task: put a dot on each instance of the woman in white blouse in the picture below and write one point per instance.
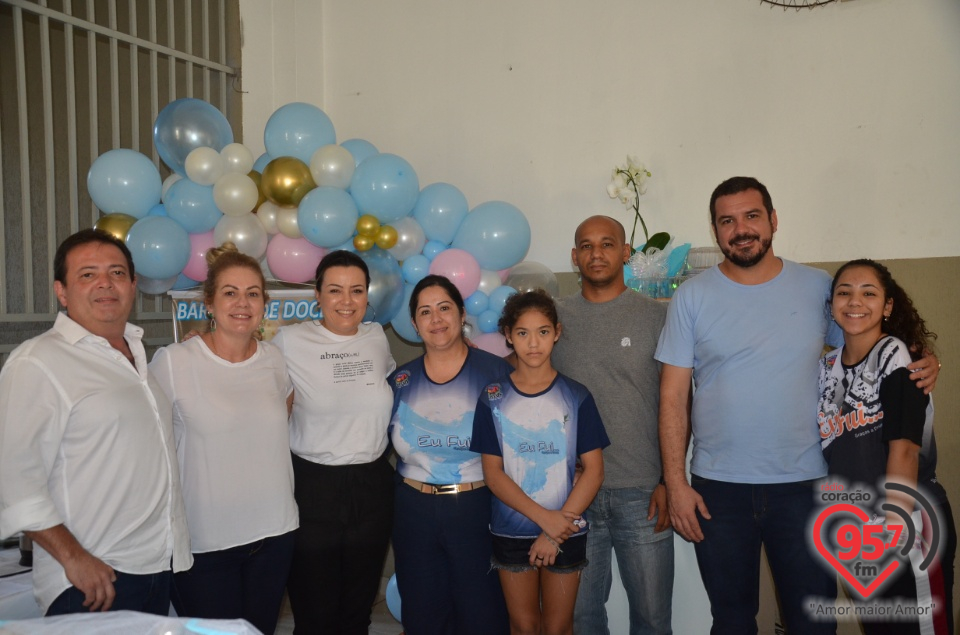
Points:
(230, 400)
(338, 436)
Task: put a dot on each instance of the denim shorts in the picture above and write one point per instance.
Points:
(513, 554)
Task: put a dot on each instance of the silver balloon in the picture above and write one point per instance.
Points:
(470, 328)
(267, 213)
(489, 280)
(530, 275)
(410, 238)
(333, 166)
(385, 296)
(237, 158)
(288, 223)
(246, 232)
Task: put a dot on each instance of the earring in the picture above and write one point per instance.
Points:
(213, 324)
(886, 318)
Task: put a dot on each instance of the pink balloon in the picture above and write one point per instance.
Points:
(196, 268)
(504, 274)
(460, 268)
(293, 259)
(493, 343)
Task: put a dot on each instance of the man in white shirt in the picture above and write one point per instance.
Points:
(87, 463)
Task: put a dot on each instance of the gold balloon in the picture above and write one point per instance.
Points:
(286, 180)
(256, 177)
(387, 237)
(117, 225)
(362, 243)
(368, 225)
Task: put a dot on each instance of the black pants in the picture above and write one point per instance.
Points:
(345, 521)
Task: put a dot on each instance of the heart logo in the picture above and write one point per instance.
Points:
(881, 575)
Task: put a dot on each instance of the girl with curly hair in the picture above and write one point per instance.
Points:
(876, 428)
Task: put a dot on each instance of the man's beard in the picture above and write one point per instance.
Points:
(747, 260)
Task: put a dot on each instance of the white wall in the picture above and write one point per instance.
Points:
(849, 113)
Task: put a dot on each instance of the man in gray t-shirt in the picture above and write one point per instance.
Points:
(609, 336)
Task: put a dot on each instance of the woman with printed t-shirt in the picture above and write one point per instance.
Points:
(338, 436)
(876, 428)
(440, 532)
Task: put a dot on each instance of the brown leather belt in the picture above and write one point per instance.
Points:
(455, 488)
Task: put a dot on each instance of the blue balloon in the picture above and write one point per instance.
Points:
(157, 210)
(497, 234)
(385, 186)
(415, 268)
(498, 298)
(401, 323)
(477, 303)
(184, 282)
(327, 216)
(262, 162)
(186, 124)
(346, 246)
(440, 210)
(385, 295)
(393, 598)
(360, 149)
(124, 181)
(298, 130)
(487, 321)
(159, 246)
(152, 286)
(192, 205)
(433, 248)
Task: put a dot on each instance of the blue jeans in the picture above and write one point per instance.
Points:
(245, 581)
(441, 546)
(744, 517)
(618, 521)
(147, 593)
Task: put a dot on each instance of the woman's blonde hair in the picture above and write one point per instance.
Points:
(224, 257)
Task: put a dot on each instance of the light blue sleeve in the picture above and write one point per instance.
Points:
(676, 345)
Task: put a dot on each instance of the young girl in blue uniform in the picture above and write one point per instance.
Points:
(530, 427)
(877, 426)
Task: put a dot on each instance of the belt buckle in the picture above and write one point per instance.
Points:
(446, 489)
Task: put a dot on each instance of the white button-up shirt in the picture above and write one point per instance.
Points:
(86, 440)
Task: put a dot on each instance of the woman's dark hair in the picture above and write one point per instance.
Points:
(904, 322)
(434, 280)
(224, 257)
(519, 303)
(341, 258)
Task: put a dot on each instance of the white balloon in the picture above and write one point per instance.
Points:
(332, 165)
(235, 194)
(245, 232)
(267, 213)
(203, 166)
(489, 280)
(410, 238)
(287, 222)
(167, 184)
(237, 158)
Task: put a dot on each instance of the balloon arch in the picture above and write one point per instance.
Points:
(305, 196)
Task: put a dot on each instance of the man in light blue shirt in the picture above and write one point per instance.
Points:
(749, 333)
